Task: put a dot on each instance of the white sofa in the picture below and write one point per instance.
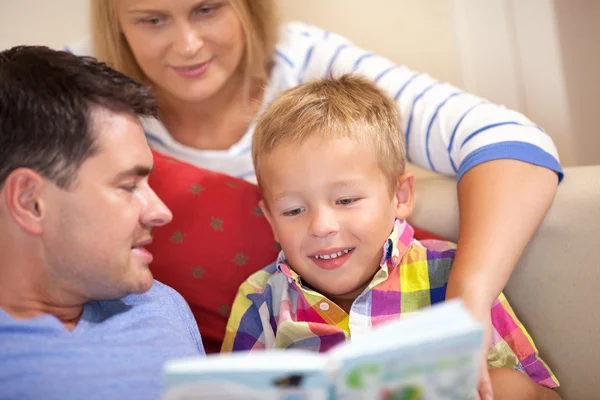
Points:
(555, 289)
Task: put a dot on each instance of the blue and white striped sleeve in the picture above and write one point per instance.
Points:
(446, 130)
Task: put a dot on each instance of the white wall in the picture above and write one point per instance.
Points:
(579, 34)
(53, 23)
(419, 34)
(509, 53)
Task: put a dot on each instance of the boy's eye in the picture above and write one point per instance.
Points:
(293, 212)
(348, 201)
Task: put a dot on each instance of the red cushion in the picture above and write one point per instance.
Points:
(217, 238)
(420, 234)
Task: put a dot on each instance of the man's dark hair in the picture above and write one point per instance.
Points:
(46, 103)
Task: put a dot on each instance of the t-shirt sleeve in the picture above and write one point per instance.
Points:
(186, 317)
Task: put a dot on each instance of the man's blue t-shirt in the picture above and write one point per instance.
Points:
(116, 351)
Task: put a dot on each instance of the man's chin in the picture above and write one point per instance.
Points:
(145, 284)
(143, 281)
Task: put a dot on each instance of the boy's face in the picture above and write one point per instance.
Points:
(330, 207)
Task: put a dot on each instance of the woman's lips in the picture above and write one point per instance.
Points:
(192, 71)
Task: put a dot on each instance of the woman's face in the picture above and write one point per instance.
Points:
(189, 49)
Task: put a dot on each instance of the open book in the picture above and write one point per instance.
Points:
(432, 354)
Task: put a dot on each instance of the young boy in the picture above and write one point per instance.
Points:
(329, 158)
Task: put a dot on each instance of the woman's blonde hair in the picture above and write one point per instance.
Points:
(259, 21)
(348, 106)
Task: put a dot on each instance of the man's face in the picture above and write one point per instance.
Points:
(94, 232)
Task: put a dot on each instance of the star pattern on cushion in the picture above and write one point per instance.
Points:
(231, 184)
(198, 272)
(224, 309)
(197, 189)
(177, 237)
(258, 212)
(240, 259)
(217, 224)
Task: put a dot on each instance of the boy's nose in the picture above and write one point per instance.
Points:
(323, 224)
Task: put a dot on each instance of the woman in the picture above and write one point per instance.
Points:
(215, 63)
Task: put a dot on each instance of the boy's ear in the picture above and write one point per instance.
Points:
(22, 194)
(404, 195)
(265, 210)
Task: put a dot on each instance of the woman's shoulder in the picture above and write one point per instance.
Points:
(82, 47)
(297, 39)
(301, 34)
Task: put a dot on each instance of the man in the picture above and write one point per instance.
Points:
(80, 315)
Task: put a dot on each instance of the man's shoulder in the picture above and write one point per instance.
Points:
(159, 292)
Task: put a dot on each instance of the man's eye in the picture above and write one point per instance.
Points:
(130, 188)
(293, 212)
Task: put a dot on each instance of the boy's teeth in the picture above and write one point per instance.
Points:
(333, 255)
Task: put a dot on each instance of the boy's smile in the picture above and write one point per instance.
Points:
(331, 259)
(331, 208)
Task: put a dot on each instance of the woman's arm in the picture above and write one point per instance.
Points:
(501, 204)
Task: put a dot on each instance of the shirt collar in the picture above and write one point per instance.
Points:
(394, 249)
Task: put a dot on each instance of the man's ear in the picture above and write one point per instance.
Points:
(404, 195)
(22, 195)
(265, 210)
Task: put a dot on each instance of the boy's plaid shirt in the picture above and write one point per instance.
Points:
(273, 309)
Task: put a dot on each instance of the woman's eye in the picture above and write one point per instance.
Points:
(154, 21)
(293, 212)
(207, 10)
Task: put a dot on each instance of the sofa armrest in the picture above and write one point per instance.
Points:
(555, 288)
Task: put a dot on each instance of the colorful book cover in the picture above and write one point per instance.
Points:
(433, 354)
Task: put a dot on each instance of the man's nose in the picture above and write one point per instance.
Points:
(156, 212)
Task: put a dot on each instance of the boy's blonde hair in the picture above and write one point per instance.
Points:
(259, 21)
(349, 106)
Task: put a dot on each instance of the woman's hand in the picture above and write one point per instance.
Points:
(501, 204)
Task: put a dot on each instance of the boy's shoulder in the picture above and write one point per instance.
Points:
(436, 245)
(259, 280)
(430, 250)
